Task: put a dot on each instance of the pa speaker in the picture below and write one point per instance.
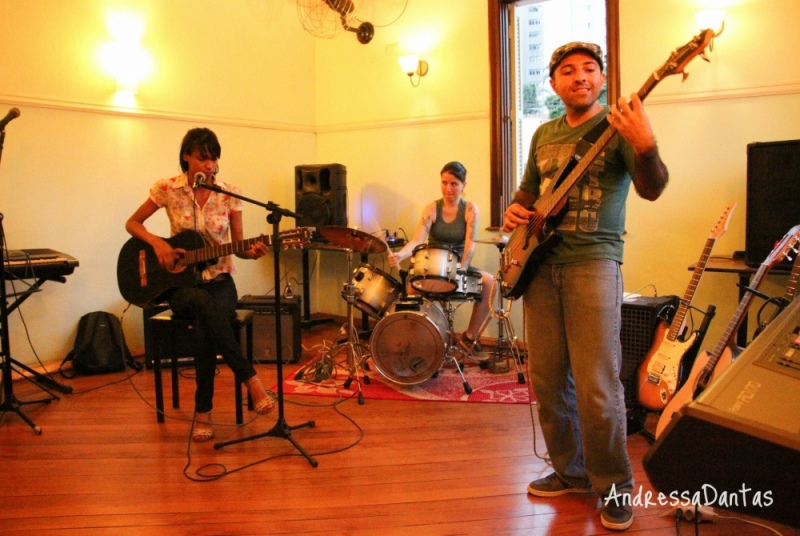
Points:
(640, 316)
(737, 445)
(321, 195)
(773, 206)
(265, 347)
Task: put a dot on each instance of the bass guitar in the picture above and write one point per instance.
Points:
(529, 244)
(658, 373)
(788, 296)
(708, 366)
(142, 280)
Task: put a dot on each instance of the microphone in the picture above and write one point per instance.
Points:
(12, 114)
(199, 179)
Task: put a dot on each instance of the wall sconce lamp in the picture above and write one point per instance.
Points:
(412, 65)
(124, 58)
(711, 19)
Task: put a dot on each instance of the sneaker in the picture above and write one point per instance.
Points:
(616, 516)
(552, 486)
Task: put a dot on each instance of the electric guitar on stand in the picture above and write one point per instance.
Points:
(709, 366)
(659, 371)
(142, 280)
(528, 244)
(788, 296)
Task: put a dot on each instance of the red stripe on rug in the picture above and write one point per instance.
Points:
(447, 386)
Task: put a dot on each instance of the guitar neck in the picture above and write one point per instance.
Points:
(550, 202)
(591, 155)
(680, 315)
(791, 285)
(737, 318)
(212, 252)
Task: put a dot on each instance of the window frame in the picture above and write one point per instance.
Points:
(502, 130)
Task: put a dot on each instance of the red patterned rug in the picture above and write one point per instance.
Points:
(486, 385)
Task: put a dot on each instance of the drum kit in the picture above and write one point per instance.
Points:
(413, 336)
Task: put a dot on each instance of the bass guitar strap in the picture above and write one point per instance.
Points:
(588, 140)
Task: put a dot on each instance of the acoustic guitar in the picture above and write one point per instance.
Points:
(658, 372)
(142, 280)
(708, 366)
(529, 244)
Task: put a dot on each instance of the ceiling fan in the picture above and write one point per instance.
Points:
(327, 18)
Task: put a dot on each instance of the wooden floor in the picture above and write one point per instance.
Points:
(102, 465)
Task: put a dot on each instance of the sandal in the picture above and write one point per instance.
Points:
(263, 403)
(202, 430)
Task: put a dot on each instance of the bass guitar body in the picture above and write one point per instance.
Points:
(660, 370)
(519, 275)
(687, 393)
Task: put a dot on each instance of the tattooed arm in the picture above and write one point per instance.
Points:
(420, 235)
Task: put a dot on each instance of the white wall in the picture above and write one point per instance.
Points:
(76, 164)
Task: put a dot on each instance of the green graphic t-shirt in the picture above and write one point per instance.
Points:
(595, 217)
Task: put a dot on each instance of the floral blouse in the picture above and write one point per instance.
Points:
(212, 221)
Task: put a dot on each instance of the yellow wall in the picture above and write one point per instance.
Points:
(76, 164)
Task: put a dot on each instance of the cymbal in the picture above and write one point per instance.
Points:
(499, 239)
(353, 239)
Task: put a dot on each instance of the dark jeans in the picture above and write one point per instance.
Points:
(212, 308)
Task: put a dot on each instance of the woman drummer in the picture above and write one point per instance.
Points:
(452, 222)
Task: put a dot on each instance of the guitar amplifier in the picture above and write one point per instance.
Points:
(265, 349)
(640, 316)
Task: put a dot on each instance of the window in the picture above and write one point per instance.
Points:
(517, 95)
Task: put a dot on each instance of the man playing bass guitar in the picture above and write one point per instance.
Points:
(573, 302)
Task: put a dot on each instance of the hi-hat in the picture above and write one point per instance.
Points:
(499, 239)
(354, 239)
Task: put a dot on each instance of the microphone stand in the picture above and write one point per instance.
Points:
(10, 402)
(281, 429)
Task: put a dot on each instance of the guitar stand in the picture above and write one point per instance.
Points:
(637, 415)
(281, 429)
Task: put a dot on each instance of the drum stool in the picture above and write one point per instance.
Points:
(165, 330)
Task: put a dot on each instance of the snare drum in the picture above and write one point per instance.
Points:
(375, 290)
(468, 286)
(433, 269)
(408, 343)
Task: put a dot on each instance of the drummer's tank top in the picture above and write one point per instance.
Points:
(451, 234)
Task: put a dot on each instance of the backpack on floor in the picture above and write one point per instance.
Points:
(99, 347)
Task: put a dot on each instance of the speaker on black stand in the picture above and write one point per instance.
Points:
(321, 200)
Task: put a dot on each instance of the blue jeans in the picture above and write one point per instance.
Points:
(573, 319)
(212, 308)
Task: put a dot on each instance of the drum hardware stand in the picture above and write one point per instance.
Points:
(281, 429)
(352, 343)
(451, 345)
(506, 347)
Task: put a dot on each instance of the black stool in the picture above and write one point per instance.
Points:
(166, 328)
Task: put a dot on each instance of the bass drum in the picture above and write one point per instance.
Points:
(408, 343)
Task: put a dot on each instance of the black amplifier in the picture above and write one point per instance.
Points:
(265, 349)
